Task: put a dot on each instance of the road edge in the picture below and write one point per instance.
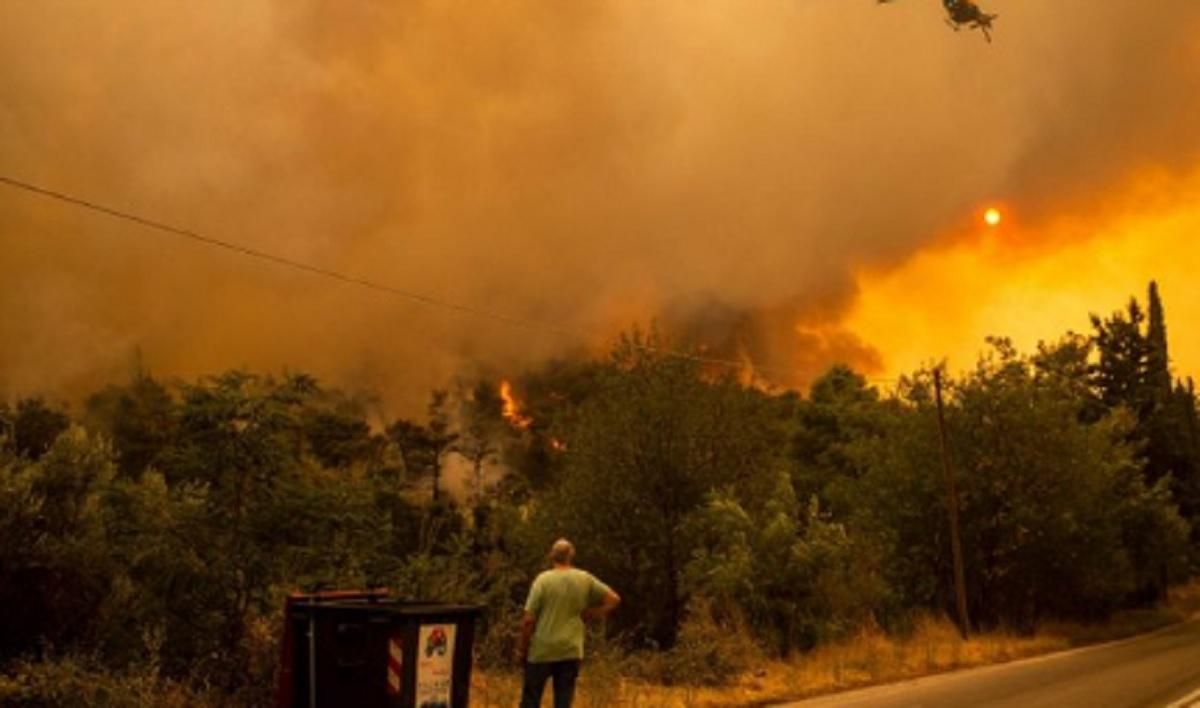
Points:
(1104, 644)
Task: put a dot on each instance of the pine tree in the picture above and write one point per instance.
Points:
(1159, 418)
(1158, 361)
(1189, 468)
(1188, 398)
(1134, 371)
(1119, 375)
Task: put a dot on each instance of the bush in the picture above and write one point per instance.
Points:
(713, 648)
(72, 681)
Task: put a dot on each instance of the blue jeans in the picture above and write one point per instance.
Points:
(564, 674)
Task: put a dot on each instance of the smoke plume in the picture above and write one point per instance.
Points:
(729, 167)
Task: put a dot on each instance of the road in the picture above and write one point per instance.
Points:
(1152, 671)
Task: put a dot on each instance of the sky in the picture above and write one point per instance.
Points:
(791, 182)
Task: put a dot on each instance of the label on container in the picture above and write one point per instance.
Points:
(435, 665)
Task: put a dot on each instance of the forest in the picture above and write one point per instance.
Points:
(158, 524)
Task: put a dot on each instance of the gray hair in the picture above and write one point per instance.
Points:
(562, 551)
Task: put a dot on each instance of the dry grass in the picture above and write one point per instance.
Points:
(871, 657)
(600, 688)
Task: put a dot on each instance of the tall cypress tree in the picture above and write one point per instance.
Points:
(1160, 415)
(1158, 360)
(1134, 371)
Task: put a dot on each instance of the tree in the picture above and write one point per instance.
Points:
(423, 448)
(441, 436)
(1185, 393)
(646, 449)
(551, 397)
(480, 429)
(6, 427)
(54, 566)
(1119, 374)
(338, 437)
(413, 446)
(1164, 419)
(36, 426)
(1067, 529)
(840, 413)
(139, 418)
(796, 575)
(1067, 366)
(1158, 360)
(1134, 371)
(237, 454)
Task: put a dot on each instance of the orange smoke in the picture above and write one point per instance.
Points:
(511, 408)
(1035, 281)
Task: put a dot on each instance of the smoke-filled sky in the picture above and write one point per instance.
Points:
(797, 181)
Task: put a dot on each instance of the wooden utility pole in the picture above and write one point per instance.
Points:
(960, 584)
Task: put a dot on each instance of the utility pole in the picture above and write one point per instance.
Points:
(960, 584)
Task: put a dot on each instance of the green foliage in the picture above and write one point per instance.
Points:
(80, 682)
(423, 449)
(1133, 372)
(713, 648)
(338, 439)
(53, 561)
(796, 576)
(35, 426)
(840, 415)
(645, 450)
(159, 539)
(139, 418)
(1056, 530)
(482, 428)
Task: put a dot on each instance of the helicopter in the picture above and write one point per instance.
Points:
(965, 13)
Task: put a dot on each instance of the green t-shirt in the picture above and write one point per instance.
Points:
(557, 598)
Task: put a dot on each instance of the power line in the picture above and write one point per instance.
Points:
(416, 297)
(278, 260)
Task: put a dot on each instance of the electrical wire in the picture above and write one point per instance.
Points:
(419, 298)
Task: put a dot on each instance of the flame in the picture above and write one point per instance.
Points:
(511, 409)
(558, 445)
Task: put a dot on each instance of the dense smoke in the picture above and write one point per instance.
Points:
(727, 167)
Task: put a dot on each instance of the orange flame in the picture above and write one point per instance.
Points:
(558, 445)
(512, 409)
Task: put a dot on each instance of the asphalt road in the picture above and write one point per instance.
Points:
(1152, 671)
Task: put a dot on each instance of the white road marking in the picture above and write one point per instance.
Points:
(854, 696)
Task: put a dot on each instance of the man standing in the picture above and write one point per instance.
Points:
(552, 630)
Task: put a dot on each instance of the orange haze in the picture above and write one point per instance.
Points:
(1035, 282)
(747, 172)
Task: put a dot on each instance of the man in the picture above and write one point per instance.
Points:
(551, 646)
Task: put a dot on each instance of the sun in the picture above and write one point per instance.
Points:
(992, 217)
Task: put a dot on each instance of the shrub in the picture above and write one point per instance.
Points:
(713, 647)
(71, 681)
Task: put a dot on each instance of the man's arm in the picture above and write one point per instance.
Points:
(608, 603)
(533, 607)
(528, 624)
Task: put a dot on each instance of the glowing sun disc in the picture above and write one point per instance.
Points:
(992, 217)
